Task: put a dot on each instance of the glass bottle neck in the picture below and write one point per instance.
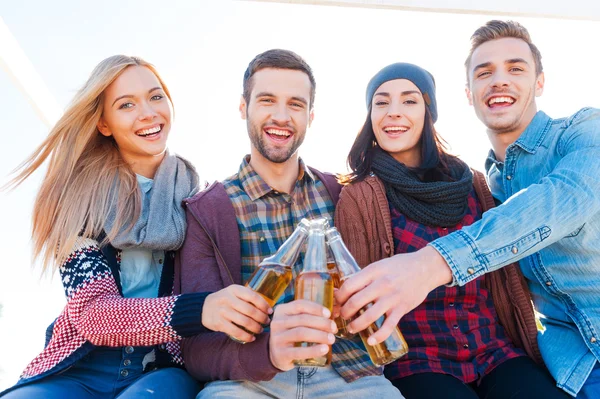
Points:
(344, 260)
(288, 252)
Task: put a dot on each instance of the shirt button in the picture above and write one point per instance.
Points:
(593, 340)
(124, 373)
(515, 250)
(455, 326)
(160, 261)
(129, 349)
(261, 239)
(162, 347)
(466, 346)
(126, 362)
(548, 283)
(451, 304)
(509, 177)
(470, 270)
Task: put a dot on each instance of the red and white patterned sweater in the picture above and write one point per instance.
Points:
(96, 312)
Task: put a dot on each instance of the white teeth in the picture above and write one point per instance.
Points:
(496, 100)
(278, 132)
(146, 132)
(396, 129)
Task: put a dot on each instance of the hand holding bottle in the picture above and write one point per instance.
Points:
(234, 306)
(298, 321)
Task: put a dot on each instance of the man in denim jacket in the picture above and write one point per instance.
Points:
(546, 174)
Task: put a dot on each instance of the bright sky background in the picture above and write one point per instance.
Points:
(202, 48)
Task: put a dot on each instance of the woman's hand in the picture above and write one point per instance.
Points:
(394, 286)
(234, 306)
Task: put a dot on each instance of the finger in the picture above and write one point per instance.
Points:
(236, 332)
(248, 295)
(300, 306)
(386, 329)
(284, 323)
(372, 313)
(305, 352)
(244, 321)
(305, 334)
(249, 310)
(354, 284)
(360, 299)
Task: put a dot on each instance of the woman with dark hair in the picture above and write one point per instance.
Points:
(404, 191)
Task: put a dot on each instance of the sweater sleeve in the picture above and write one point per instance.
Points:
(102, 316)
(213, 355)
(349, 222)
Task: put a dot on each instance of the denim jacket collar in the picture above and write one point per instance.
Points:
(534, 134)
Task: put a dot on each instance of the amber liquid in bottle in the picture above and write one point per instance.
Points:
(340, 322)
(316, 287)
(385, 352)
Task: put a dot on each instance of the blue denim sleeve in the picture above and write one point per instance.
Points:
(537, 216)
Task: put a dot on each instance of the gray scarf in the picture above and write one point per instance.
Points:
(161, 225)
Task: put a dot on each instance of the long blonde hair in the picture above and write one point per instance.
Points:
(86, 173)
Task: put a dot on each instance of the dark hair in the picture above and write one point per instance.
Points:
(496, 29)
(434, 155)
(277, 59)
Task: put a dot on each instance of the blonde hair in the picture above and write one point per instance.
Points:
(86, 173)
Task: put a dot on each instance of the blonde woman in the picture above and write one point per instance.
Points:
(108, 216)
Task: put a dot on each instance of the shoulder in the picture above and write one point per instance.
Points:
(212, 194)
(581, 129)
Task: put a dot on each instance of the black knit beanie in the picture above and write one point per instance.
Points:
(402, 70)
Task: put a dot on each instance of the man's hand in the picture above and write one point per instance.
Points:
(395, 286)
(233, 305)
(299, 321)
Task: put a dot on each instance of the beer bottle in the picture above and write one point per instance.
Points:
(340, 322)
(274, 273)
(315, 283)
(394, 346)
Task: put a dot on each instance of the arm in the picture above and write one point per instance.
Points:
(535, 217)
(349, 223)
(102, 316)
(529, 221)
(213, 355)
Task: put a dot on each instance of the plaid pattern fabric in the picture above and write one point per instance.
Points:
(266, 218)
(455, 330)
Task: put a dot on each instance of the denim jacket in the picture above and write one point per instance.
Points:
(549, 221)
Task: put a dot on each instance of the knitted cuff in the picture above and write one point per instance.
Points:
(187, 314)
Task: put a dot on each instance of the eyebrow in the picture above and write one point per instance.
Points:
(404, 93)
(268, 94)
(131, 96)
(510, 61)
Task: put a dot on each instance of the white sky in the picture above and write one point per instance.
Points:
(202, 48)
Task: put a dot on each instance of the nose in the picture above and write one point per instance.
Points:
(395, 109)
(147, 111)
(500, 79)
(281, 114)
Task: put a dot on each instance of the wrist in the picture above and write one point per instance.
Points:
(435, 266)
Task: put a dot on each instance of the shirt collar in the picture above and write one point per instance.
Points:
(256, 187)
(534, 134)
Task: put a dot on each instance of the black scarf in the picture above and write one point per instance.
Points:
(442, 202)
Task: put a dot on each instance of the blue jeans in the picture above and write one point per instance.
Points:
(304, 383)
(591, 388)
(108, 373)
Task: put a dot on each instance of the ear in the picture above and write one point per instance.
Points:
(103, 127)
(539, 84)
(243, 106)
(311, 116)
(469, 95)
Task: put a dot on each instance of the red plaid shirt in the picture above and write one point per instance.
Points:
(455, 330)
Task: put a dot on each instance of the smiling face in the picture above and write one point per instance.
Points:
(277, 115)
(397, 118)
(503, 84)
(137, 114)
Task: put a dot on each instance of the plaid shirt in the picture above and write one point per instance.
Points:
(455, 330)
(266, 218)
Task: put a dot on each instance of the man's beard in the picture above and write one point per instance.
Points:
(273, 155)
